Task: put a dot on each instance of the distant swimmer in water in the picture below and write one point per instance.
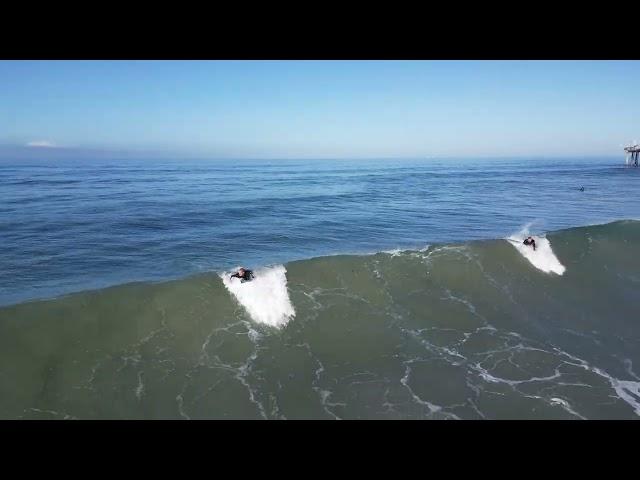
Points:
(243, 275)
(530, 241)
(582, 189)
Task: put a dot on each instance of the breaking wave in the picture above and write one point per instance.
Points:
(266, 297)
(464, 331)
(542, 257)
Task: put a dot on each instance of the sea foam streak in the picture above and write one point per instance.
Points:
(265, 298)
(543, 257)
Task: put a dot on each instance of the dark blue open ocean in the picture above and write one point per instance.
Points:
(68, 227)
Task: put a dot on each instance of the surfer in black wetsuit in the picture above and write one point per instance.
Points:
(243, 275)
(530, 241)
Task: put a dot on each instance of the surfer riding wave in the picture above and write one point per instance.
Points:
(244, 275)
(530, 241)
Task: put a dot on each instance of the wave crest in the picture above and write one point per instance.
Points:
(266, 297)
(542, 257)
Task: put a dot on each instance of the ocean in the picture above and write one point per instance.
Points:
(385, 289)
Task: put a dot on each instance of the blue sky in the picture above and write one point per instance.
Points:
(315, 109)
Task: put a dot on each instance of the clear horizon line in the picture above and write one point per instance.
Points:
(326, 158)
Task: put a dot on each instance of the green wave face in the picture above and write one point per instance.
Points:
(464, 331)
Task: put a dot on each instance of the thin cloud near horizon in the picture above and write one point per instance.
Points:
(41, 144)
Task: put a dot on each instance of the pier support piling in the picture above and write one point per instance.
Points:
(634, 151)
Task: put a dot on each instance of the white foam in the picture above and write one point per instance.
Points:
(627, 390)
(542, 257)
(265, 298)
